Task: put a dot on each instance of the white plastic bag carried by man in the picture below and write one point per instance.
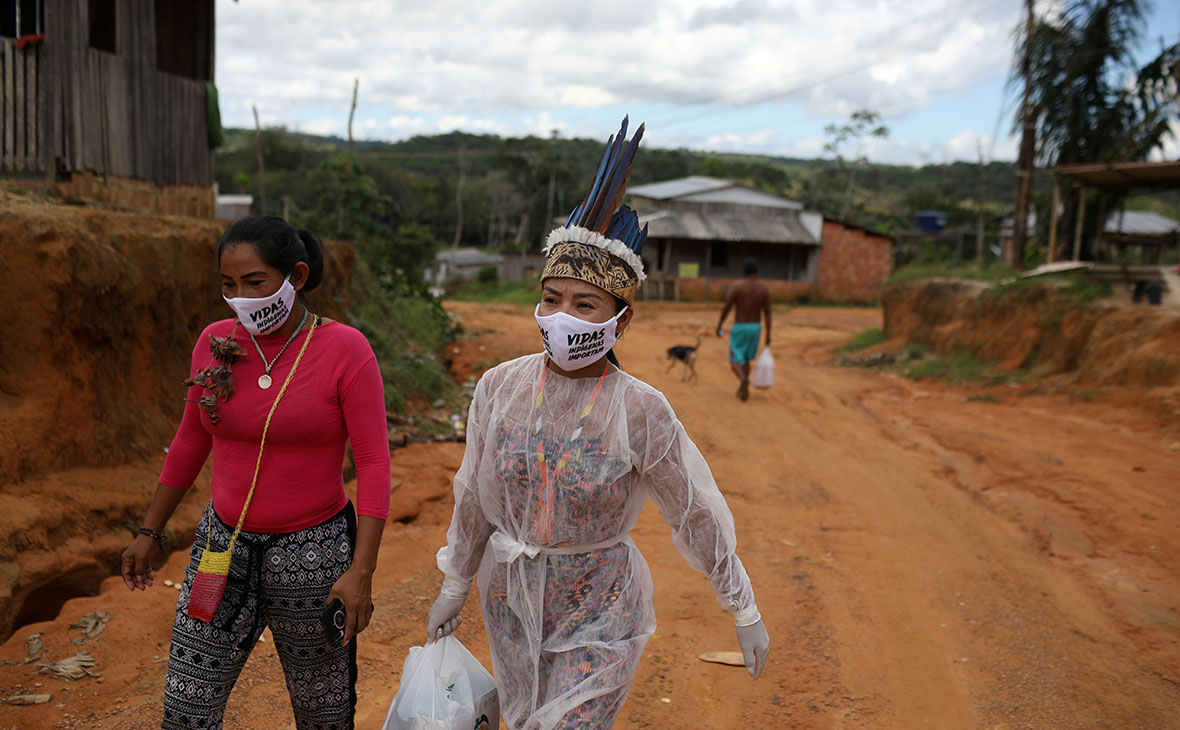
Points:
(763, 370)
(444, 687)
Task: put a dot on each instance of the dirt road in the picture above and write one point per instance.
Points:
(921, 560)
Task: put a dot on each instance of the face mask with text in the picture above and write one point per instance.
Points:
(573, 343)
(264, 314)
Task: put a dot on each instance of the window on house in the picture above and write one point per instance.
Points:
(719, 257)
(20, 17)
(104, 25)
(184, 38)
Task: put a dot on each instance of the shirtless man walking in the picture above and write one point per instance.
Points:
(750, 301)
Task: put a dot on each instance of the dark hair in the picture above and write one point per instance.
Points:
(279, 245)
(610, 354)
(749, 266)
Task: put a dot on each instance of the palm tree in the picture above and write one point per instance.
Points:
(1094, 103)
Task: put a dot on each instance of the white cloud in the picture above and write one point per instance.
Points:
(513, 66)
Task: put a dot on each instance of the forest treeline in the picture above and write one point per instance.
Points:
(502, 193)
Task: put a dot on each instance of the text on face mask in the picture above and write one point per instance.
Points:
(265, 316)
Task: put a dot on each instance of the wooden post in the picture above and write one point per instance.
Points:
(1024, 163)
(286, 207)
(261, 167)
(981, 219)
(708, 268)
(1053, 217)
(1077, 231)
(1098, 237)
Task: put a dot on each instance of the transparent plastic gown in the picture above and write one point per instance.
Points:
(567, 597)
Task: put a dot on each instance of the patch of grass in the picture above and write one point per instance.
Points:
(957, 368)
(526, 292)
(1083, 289)
(868, 338)
(1071, 286)
(1085, 395)
(913, 351)
(407, 334)
(983, 398)
(994, 272)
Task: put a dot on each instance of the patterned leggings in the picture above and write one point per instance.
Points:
(276, 580)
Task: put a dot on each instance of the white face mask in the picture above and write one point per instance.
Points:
(264, 314)
(573, 343)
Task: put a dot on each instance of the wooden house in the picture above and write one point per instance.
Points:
(702, 229)
(111, 100)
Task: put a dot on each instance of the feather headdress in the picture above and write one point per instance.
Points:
(600, 241)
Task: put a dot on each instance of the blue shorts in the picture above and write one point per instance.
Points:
(743, 341)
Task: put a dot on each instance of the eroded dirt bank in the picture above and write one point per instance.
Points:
(1103, 344)
(921, 560)
(101, 310)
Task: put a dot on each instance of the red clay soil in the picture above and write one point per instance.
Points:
(101, 310)
(921, 560)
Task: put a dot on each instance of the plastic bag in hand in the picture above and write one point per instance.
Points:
(763, 370)
(444, 687)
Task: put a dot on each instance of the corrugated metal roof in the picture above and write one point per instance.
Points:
(712, 227)
(701, 189)
(468, 257)
(743, 196)
(668, 189)
(1140, 221)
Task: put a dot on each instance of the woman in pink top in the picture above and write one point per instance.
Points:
(302, 545)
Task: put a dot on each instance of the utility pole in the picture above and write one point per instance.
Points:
(980, 221)
(356, 85)
(261, 168)
(459, 200)
(1028, 142)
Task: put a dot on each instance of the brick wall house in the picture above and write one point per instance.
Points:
(853, 263)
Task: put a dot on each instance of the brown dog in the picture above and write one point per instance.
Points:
(686, 355)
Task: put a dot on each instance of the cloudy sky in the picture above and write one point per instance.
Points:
(761, 76)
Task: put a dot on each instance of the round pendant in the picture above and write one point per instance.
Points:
(264, 381)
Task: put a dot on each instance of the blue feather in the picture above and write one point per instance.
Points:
(601, 207)
(610, 199)
(601, 210)
(598, 179)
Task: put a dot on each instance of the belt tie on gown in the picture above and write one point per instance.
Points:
(506, 548)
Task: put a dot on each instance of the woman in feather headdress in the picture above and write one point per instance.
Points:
(563, 450)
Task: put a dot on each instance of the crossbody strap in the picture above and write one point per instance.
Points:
(262, 443)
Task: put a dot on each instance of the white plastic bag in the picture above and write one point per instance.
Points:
(444, 687)
(763, 370)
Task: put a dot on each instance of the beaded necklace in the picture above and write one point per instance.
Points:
(546, 485)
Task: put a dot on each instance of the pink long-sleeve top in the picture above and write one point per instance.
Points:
(336, 396)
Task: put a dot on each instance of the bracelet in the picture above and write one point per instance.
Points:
(157, 536)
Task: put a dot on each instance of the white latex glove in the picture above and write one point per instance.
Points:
(755, 643)
(444, 618)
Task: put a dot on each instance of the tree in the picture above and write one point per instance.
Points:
(1095, 103)
(863, 123)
